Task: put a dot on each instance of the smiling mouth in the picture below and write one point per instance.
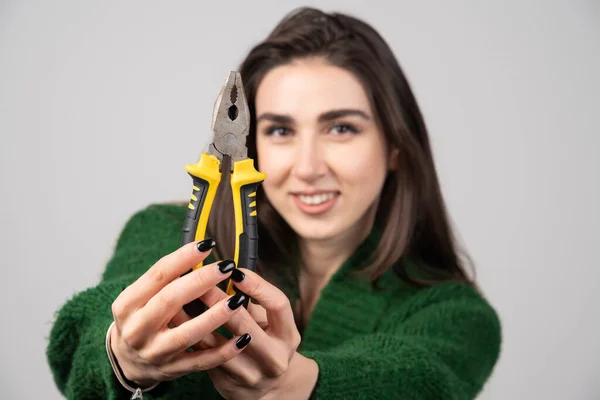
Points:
(315, 199)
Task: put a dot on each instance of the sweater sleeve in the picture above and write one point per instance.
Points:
(76, 350)
(440, 349)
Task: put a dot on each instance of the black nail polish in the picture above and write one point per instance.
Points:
(205, 245)
(243, 341)
(237, 275)
(226, 266)
(236, 301)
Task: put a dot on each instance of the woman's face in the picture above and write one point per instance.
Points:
(317, 140)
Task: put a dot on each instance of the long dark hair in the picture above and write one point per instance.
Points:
(416, 239)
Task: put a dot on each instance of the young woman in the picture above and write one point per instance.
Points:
(360, 291)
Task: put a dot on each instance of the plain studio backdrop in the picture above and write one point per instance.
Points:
(103, 103)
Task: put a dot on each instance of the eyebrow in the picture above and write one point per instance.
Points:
(324, 117)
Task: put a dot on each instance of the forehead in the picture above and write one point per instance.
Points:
(307, 88)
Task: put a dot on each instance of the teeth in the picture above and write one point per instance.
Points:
(316, 199)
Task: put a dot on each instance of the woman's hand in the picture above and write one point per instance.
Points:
(146, 348)
(270, 367)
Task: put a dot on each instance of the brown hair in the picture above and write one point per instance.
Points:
(416, 238)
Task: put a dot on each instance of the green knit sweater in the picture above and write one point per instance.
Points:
(399, 343)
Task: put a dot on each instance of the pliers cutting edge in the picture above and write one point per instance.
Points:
(230, 125)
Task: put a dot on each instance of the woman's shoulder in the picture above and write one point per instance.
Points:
(167, 209)
(450, 300)
(423, 287)
(451, 291)
(158, 220)
(157, 213)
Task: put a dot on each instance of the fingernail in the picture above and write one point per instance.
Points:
(243, 341)
(237, 275)
(226, 266)
(205, 245)
(236, 301)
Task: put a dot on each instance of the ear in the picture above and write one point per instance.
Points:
(393, 159)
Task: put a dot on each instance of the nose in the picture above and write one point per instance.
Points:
(309, 163)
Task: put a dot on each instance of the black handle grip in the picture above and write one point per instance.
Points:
(248, 240)
(193, 214)
(195, 307)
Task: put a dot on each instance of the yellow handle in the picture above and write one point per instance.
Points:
(206, 176)
(244, 182)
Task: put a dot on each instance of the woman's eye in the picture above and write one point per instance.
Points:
(277, 131)
(344, 128)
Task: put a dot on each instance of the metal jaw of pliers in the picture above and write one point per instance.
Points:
(230, 125)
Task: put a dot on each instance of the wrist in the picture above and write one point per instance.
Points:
(132, 386)
(299, 382)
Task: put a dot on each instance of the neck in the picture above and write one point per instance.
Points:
(321, 258)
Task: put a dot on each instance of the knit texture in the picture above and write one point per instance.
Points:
(399, 342)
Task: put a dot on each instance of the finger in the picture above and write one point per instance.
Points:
(272, 299)
(239, 323)
(213, 339)
(206, 359)
(161, 308)
(265, 351)
(165, 270)
(172, 341)
(246, 375)
(259, 314)
(179, 319)
(242, 368)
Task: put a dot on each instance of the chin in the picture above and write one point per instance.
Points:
(315, 230)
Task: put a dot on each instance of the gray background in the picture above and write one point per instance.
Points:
(103, 103)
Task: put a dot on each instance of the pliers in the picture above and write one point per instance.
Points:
(230, 125)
